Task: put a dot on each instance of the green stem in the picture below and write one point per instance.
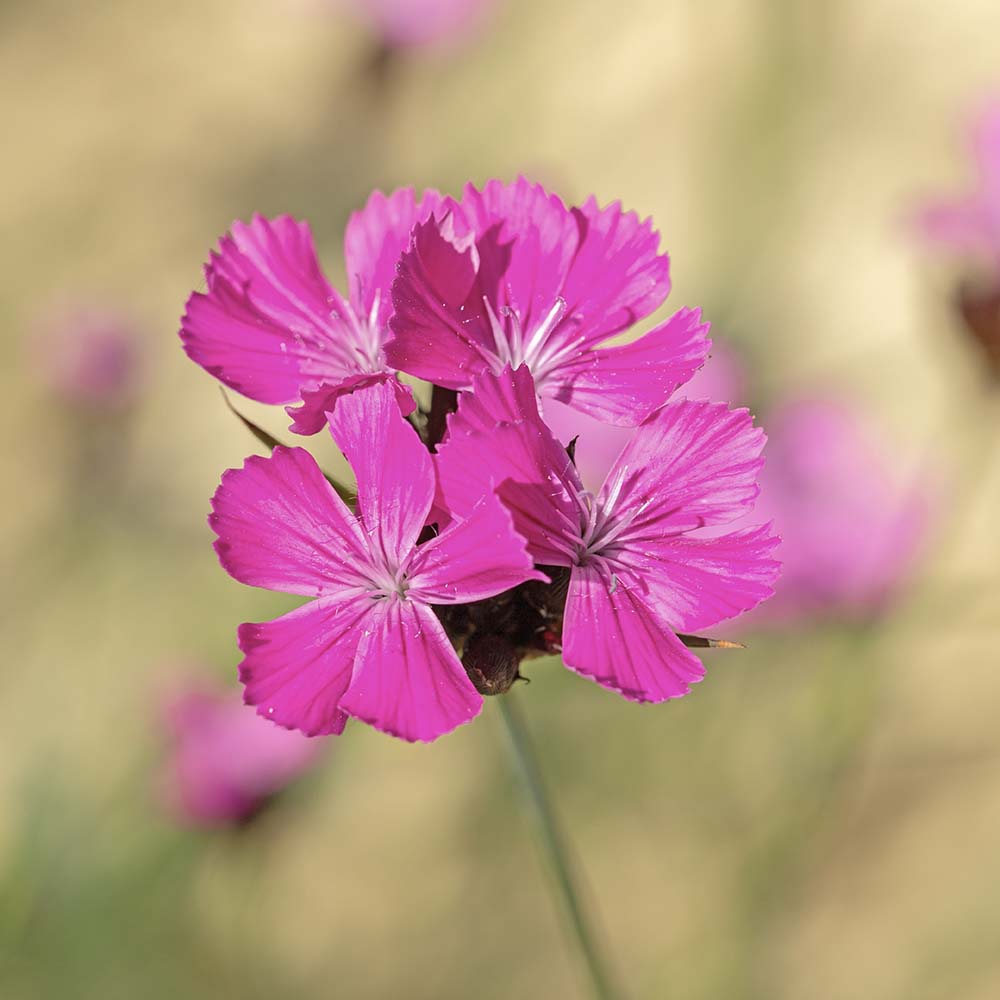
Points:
(553, 844)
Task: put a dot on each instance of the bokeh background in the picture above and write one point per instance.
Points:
(818, 819)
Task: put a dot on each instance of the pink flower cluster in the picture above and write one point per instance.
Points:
(474, 544)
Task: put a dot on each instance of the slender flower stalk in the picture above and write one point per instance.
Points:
(554, 845)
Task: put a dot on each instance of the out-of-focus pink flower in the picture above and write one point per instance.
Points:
(369, 645)
(225, 762)
(413, 23)
(970, 227)
(970, 224)
(272, 327)
(850, 528)
(513, 276)
(89, 356)
(641, 569)
(598, 444)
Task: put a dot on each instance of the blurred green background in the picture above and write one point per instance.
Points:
(818, 819)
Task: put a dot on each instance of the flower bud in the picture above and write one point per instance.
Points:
(491, 663)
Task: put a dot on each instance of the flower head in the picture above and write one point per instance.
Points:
(456, 567)
(369, 645)
(511, 276)
(640, 568)
(226, 763)
(272, 327)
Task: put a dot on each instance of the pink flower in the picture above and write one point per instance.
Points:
(89, 355)
(272, 327)
(370, 644)
(512, 276)
(412, 23)
(640, 570)
(970, 224)
(850, 530)
(225, 762)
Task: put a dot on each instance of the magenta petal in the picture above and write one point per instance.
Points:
(375, 238)
(310, 416)
(612, 636)
(543, 235)
(695, 583)
(394, 471)
(542, 509)
(472, 559)
(602, 263)
(506, 403)
(618, 276)
(269, 321)
(691, 464)
(534, 477)
(409, 681)
(282, 526)
(496, 400)
(625, 384)
(297, 667)
(441, 331)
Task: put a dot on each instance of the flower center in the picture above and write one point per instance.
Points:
(371, 337)
(385, 580)
(541, 352)
(360, 350)
(600, 524)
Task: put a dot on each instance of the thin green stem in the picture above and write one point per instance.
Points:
(553, 844)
